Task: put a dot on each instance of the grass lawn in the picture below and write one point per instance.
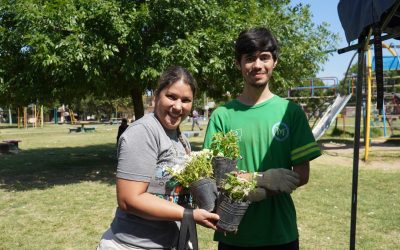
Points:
(59, 193)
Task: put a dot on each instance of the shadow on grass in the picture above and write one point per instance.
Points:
(393, 140)
(347, 143)
(47, 167)
(336, 132)
(335, 143)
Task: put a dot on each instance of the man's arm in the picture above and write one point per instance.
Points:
(277, 181)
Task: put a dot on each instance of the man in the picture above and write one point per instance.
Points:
(195, 118)
(275, 142)
(122, 128)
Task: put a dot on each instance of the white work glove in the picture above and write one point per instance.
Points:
(278, 179)
(257, 194)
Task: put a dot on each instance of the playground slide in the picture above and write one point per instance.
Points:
(330, 115)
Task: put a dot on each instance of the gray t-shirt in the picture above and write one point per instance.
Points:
(145, 151)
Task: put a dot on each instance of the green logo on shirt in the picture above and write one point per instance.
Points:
(280, 131)
(238, 133)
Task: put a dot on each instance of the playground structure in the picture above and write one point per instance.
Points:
(330, 115)
(390, 111)
(23, 118)
(34, 116)
(385, 114)
(333, 106)
(332, 85)
(326, 111)
(64, 114)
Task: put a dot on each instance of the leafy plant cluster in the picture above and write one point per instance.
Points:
(225, 145)
(237, 188)
(197, 166)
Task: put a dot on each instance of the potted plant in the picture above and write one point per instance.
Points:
(196, 174)
(225, 151)
(232, 201)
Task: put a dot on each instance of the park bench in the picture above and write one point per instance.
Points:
(191, 133)
(89, 129)
(82, 129)
(75, 130)
(9, 146)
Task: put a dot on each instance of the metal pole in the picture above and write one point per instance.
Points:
(360, 80)
(312, 87)
(55, 115)
(358, 46)
(367, 124)
(9, 116)
(384, 119)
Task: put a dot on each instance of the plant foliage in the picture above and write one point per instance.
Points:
(237, 188)
(225, 145)
(197, 166)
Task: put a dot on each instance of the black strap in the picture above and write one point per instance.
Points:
(185, 146)
(378, 68)
(188, 231)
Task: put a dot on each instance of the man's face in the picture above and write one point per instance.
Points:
(257, 68)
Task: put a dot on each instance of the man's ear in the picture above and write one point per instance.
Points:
(276, 61)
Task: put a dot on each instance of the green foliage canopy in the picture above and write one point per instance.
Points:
(62, 49)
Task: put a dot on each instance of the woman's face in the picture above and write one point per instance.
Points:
(173, 104)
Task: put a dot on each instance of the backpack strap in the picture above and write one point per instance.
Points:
(185, 146)
(188, 232)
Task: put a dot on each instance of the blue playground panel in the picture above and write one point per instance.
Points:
(389, 63)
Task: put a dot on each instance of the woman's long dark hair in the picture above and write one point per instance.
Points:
(170, 76)
(174, 74)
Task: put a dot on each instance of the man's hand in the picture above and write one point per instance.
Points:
(257, 194)
(278, 179)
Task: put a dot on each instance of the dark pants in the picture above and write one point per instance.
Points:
(294, 245)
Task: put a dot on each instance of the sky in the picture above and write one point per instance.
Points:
(326, 11)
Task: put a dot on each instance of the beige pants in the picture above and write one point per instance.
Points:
(109, 242)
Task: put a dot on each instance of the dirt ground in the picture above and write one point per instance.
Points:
(381, 155)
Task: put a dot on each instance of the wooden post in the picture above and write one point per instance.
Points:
(18, 119)
(34, 116)
(25, 117)
(41, 116)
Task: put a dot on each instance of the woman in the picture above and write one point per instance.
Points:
(149, 206)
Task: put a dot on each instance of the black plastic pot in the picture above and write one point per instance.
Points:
(230, 213)
(205, 193)
(222, 166)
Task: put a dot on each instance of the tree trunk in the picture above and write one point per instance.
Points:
(137, 100)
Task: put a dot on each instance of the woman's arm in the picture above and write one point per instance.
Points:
(133, 198)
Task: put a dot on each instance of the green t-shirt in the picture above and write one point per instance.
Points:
(272, 134)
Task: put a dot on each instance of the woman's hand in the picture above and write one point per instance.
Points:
(206, 219)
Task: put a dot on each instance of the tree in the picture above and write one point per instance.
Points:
(100, 107)
(68, 48)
